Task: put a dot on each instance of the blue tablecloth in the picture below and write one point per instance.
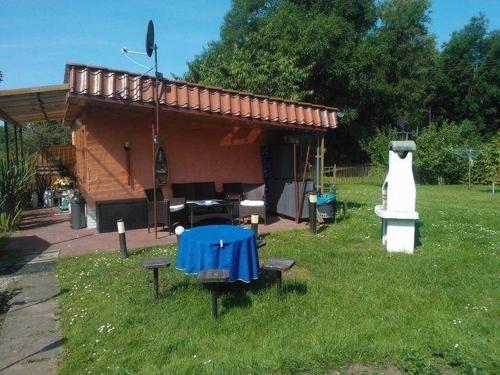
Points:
(200, 249)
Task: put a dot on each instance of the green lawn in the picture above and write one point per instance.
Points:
(347, 301)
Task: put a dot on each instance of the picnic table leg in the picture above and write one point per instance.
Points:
(215, 297)
(279, 282)
(155, 283)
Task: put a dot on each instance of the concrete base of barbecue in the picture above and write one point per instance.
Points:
(398, 230)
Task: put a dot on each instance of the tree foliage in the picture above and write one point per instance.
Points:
(40, 135)
(376, 60)
(468, 77)
(437, 147)
(487, 167)
(37, 136)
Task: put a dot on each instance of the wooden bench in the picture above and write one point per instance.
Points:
(278, 266)
(260, 243)
(213, 279)
(155, 263)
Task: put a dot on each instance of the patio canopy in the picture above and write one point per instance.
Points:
(89, 85)
(32, 104)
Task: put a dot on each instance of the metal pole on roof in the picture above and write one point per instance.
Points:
(16, 154)
(156, 140)
(6, 131)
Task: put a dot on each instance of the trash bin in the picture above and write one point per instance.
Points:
(326, 206)
(78, 219)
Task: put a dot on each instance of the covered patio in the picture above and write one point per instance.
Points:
(203, 135)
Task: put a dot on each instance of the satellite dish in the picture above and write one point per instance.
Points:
(150, 39)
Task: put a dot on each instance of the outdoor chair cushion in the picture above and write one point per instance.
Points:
(176, 208)
(252, 203)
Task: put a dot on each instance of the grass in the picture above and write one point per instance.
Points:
(347, 301)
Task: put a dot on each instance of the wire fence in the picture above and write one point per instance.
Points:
(355, 173)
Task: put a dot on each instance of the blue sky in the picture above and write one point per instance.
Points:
(38, 37)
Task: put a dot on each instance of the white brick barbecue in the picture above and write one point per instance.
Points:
(398, 200)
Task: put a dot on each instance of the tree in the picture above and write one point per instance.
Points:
(468, 77)
(487, 169)
(37, 136)
(285, 48)
(370, 60)
(376, 60)
(392, 64)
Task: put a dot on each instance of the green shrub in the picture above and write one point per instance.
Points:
(14, 185)
(487, 166)
(377, 147)
(435, 158)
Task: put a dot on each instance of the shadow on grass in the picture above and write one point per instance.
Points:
(418, 225)
(237, 298)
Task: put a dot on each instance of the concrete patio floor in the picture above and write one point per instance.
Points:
(47, 229)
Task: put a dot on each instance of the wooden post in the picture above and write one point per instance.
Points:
(6, 131)
(295, 182)
(318, 163)
(215, 297)
(155, 283)
(301, 202)
(322, 163)
(279, 283)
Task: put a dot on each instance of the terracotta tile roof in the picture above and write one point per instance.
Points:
(121, 85)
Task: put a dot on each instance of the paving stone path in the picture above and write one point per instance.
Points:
(30, 338)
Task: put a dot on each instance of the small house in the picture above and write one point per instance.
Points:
(205, 134)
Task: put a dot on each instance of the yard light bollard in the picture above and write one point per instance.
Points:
(178, 231)
(121, 235)
(254, 220)
(313, 200)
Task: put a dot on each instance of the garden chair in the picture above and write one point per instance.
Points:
(167, 210)
(253, 201)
